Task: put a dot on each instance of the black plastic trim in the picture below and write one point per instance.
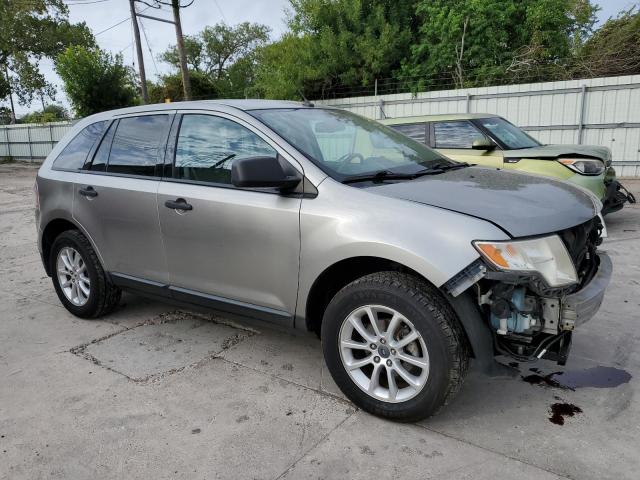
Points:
(191, 297)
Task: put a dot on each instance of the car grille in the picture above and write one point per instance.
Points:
(581, 242)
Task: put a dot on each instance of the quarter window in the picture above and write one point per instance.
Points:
(207, 147)
(416, 131)
(456, 134)
(75, 153)
(138, 145)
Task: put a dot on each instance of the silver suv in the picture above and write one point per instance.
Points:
(406, 263)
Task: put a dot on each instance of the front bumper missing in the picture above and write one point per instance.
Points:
(581, 306)
(615, 197)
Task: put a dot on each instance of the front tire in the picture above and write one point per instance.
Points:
(394, 346)
(82, 285)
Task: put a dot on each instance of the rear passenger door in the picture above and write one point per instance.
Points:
(115, 197)
(229, 248)
(454, 139)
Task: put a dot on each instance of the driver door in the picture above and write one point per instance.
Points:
(455, 138)
(236, 250)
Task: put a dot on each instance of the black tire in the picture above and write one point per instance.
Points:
(434, 319)
(103, 295)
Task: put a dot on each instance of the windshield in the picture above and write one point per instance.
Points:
(344, 145)
(508, 134)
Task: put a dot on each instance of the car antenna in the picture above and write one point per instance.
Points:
(305, 102)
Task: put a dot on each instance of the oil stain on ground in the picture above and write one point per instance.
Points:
(594, 377)
(559, 411)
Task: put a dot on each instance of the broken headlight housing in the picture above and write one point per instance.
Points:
(546, 256)
(583, 166)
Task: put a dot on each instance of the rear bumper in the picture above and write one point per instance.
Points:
(615, 197)
(581, 306)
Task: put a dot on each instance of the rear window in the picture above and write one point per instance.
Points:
(416, 131)
(75, 153)
(138, 145)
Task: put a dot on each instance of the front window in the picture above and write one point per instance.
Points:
(456, 134)
(208, 146)
(343, 144)
(512, 137)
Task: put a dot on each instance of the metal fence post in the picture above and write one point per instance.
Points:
(30, 146)
(583, 94)
(468, 103)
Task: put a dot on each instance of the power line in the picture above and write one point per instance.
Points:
(116, 24)
(146, 40)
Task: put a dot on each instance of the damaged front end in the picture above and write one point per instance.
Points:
(532, 293)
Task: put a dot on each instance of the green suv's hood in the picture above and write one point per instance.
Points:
(556, 151)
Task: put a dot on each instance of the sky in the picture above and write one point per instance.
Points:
(100, 15)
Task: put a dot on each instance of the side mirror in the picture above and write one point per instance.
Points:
(263, 172)
(483, 143)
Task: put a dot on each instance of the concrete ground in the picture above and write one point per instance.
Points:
(152, 392)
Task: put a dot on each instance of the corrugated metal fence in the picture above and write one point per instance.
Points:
(598, 111)
(32, 141)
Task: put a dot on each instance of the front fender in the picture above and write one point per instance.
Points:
(345, 222)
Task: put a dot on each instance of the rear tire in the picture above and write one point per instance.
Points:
(82, 285)
(407, 309)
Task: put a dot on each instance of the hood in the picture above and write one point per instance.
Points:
(521, 205)
(557, 151)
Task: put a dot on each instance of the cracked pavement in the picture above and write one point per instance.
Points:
(155, 392)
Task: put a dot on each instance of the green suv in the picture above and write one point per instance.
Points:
(492, 141)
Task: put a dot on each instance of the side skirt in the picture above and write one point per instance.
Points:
(183, 296)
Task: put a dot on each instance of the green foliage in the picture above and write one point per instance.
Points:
(95, 80)
(169, 87)
(50, 113)
(224, 54)
(5, 116)
(29, 31)
(614, 49)
(339, 47)
(502, 38)
(336, 43)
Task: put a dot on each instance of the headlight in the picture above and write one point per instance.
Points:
(546, 256)
(583, 166)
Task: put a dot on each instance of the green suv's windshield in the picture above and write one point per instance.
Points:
(349, 147)
(508, 134)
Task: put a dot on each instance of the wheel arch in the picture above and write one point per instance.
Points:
(52, 230)
(345, 271)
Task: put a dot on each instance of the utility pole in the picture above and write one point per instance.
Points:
(175, 6)
(13, 108)
(136, 34)
(186, 80)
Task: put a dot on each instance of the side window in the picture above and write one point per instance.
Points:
(75, 153)
(138, 145)
(99, 163)
(416, 131)
(207, 146)
(459, 134)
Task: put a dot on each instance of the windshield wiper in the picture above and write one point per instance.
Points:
(379, 176)
(389, 175)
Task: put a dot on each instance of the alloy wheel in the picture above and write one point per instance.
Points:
(384, 353)
(73, 276)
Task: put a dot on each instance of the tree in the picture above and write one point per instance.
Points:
(95, 80)
(349, 43)
(225, 54)
(50, 113)
(614, 49)
(504, 40)
(29, 31)
(169, 87)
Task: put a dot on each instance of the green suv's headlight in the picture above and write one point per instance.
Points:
(547, 256)
(583, 166)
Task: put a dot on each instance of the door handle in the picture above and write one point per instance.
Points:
(178, 204)
(88, 192)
